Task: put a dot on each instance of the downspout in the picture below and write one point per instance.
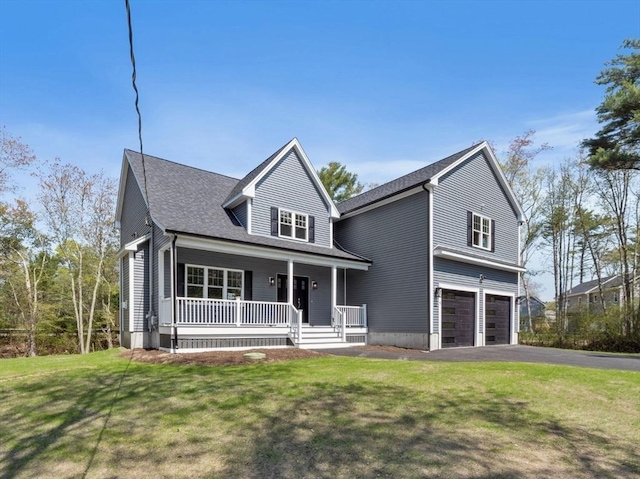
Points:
(174, 290)
(151, 317)
(428, 187)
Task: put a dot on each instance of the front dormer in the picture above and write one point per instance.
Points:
(284, 198)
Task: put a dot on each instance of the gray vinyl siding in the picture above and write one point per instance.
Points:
(263, 269)
(140, 301)
(473, 186)
(462, 274)
(159, 241)
(289, 186)
(167, 274)
(240, 213)
(395, 289)
(134, 212)
(124, 297)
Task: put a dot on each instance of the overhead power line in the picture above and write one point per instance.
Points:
(135, 88)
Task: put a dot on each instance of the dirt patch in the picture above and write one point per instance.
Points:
(219, 358)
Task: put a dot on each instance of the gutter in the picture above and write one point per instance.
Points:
(174, 285)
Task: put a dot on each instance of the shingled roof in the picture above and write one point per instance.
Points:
(589, 286)
(189, 200)
(401, 184)
(237, 189)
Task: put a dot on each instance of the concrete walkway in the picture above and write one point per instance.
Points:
(510, 353)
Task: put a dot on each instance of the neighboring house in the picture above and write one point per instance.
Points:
(586, 296)
(537, 307)
(207, 261)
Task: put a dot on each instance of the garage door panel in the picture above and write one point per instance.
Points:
(457, 319)
(497, 318)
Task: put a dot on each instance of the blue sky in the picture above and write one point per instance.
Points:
(384, 87)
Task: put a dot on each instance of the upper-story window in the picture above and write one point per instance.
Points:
(481, 232)
(294, 225)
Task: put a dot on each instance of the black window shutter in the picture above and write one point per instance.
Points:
(493, 236)
(274, 221)
(312, 229)
(469, 228)
(248, 285)
(180, 280)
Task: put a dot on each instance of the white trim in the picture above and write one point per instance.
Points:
(463, 258)
(481, 231)
(205, 284)
(289, 282)
(495, 165)
(430, 196)
(386, 201)
(330, 233)
(133, 245)
(293, 225)
(132, 280)
(266, 252)
(334, 289)
(249, 209)
(476, 323)
(249, 191)
(121, 308)
(513, 325)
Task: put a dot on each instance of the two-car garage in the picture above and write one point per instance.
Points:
(458, 322)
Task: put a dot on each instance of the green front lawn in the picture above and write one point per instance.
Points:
(102, 416)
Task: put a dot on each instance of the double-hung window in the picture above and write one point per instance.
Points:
(294, 225)
(481, 232)
(213, 283)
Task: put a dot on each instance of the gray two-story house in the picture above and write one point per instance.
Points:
(428, 260)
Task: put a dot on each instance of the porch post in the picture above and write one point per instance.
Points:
(334, 289)
(290, 282)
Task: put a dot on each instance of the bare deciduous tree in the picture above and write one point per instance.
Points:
(79, 212)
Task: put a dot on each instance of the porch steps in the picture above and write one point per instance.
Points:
(319, 337)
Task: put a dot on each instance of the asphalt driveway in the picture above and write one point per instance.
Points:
(511, 353)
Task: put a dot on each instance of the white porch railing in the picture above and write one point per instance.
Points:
(237, 312)
(353, 316)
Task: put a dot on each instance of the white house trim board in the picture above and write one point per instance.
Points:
(514, 324)
(266, 253)
(463, 258)
(133, 245)
(431, 292)
(131, 302)
(249, 205)
(495, 166)
(457, 287)
(249, 191)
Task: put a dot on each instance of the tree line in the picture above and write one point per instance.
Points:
(58, 267)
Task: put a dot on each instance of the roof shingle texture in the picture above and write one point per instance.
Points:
(608, 282)
(401, 184)
(189, 200)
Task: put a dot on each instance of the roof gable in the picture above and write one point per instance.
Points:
(184, 199)
(246, 187)
(431, 174)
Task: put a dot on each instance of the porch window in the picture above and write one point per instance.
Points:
(214, 283)
(293, 225)
(481, 232)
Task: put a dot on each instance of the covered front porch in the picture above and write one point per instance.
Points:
(220, 295)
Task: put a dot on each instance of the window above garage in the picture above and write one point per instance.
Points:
(481, 231)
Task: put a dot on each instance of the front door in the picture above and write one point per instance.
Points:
(300, 293)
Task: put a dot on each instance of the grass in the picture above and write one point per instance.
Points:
(102, 416)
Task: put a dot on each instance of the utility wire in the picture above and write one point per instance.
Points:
(133, 81)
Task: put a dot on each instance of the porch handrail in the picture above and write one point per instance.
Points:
(232, 312)
(354, 316)
(339, 323)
